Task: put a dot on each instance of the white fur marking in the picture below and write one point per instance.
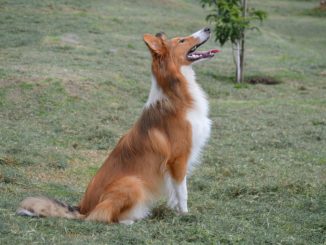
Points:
(25, 212)
(197, 116)
(155, 94)
(201, 35)
(182, 196)
(177, 194)
(126, 222)
(170, 191)
(140, 211)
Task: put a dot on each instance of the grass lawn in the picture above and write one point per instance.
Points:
(74, 76)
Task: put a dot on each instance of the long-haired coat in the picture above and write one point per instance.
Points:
(155, 155)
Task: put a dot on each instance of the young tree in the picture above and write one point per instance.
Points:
(232, 18)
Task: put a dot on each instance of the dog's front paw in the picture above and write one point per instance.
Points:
(173, 204)
(182, 208)
(182, 211)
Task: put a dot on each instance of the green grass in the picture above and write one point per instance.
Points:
(74, 76)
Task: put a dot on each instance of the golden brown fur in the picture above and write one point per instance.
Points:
(132, 176)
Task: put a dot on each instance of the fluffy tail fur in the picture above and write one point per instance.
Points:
(47, 207)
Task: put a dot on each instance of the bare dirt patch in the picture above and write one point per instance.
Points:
(263, 80)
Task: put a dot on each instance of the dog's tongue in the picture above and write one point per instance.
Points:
(197, 55)
(214, 51)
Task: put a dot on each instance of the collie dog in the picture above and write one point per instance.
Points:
(154, 157)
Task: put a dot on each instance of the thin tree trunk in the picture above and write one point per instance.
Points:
(242, 59)
(236, 59)
(242, 41)
(234, 55)
(238, 62)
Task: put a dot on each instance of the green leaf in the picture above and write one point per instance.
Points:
(229, 21)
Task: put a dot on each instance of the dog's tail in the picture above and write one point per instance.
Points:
(47, 207)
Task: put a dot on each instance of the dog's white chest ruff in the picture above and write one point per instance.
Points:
(197, 116)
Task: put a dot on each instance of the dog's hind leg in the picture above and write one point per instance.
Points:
(123, 201)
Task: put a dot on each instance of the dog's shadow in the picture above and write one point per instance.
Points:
(161, 212)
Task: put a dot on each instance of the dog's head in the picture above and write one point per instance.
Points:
(180, 50)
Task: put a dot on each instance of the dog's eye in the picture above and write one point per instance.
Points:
(182, 40)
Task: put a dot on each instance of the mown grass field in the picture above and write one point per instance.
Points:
(74, 76)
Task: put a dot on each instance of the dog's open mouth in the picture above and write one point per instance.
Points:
(194, 55)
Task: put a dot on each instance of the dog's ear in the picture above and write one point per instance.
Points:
(154, 43)
(161, 35)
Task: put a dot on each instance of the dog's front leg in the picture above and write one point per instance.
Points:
(182, 196)
(178, 172)
(172, 200)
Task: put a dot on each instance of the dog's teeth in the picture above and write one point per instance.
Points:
(195, 56)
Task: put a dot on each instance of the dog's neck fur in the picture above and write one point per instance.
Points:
(155, 94)
(198, 97)
(196, 113)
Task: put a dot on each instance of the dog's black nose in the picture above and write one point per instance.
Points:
(207, 29)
